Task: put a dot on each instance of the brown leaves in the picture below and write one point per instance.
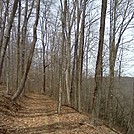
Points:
(38, 115)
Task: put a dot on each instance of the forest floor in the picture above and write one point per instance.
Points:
(37, 114)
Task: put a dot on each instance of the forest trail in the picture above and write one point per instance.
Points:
(37, 114)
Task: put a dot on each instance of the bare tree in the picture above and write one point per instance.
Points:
(18, 46)
(98, 70)
(74, 84)
(81, 53)
(29, 60)
(63, 15)
(24, 35)
(3, 20)
(6, 36)
(116, 33)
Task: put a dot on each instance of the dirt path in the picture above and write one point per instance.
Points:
(37, 114)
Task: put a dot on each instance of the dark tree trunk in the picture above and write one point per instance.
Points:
(98, 70)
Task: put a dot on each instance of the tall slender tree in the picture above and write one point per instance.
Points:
(6, 36)
(98, 70)
(18, 46)
(74, 80)
(63, 17)
(81, 53)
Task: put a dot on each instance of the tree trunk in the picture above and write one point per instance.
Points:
(81, 53)
(98, 70)
(7, 35)
(113, 6)
(3, 23)
(8, 70)
(61, 54)
(74, 81)
(23, 39)
(43, 47)
(18, 47)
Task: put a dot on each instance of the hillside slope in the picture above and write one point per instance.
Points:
(37, 114)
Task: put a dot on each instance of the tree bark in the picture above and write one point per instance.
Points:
(74, 80)
(98, 70)
(81, 53)
(61, 54)
(8, 70)
(24, 36)
(113, 7)
(18, 47)
(7, 35)
(3, 21)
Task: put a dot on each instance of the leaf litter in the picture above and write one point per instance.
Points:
(37, 114)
